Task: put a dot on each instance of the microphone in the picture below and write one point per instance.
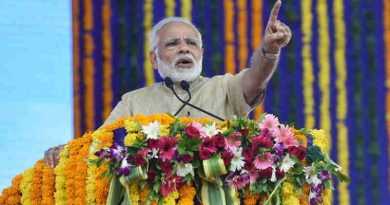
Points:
(186, 86)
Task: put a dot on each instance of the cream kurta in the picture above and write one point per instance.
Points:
(221, 95)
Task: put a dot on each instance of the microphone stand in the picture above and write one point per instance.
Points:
(169, 84)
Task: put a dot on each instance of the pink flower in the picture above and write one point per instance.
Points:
(153, 143)
(169, 185)
(234, 141)
(139, 160)
(290, 141)
(264, 161)
(200, 129)
(270, 122)
(238, 182)
(167, 148)
(282, 132)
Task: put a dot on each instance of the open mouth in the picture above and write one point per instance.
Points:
(185, 62)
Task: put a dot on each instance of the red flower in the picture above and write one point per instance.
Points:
(166, 167)
(204, 154)
(219, 140)
(167, 148)
(265, 173)
(185, 158)
(152, 174)
(139, 160)
(249, 166)
(247, 153)
(279, 174)
(262, 141)
(299, 152)
(153, 143)
(227, 157)
(209, 144)
(192, 131)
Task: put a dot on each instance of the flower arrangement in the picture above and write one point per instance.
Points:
(218, 162)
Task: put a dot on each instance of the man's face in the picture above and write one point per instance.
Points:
(178, 54)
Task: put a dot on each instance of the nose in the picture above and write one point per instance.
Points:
(183, 48)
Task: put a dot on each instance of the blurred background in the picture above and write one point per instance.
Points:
(333, 75)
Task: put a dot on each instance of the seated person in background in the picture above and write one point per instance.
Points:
(176, 52)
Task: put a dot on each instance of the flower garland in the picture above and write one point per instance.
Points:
(170, 8)
(242, 33)
(82, 169)
(342, 106)
(70, 173)
(36, 183)
(257, 19)
(11, 195)
(48, 185)
(89, 67)
(386, 23)
(107, 64)
(76, 67)
(186, 9)
(171, 198)
(229, 37)
(97, 187)
(308, 74)
(26, 185)
(59, 171)
(147, 23)
(186, 195)
(289, 195)
(250, 198)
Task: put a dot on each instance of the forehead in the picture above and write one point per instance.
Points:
(176, 30)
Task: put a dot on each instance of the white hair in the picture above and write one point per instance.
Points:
(153, 37)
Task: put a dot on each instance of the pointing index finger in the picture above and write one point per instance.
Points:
(275, 11)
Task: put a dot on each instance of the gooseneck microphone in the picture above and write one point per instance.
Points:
(185, 86)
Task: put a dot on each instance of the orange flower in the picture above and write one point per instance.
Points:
(250, 199)
(11, 195)
(302, 140)
(36, 184)
(186, 195)
(48, 185)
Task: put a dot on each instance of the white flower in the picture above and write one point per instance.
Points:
(273, 177)
(287, 163)
(210, 130)
(338, 166)
(238, 160)
(152, 130)
(310, 175)
(183, 169)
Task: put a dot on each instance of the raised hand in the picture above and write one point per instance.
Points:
(277, 34)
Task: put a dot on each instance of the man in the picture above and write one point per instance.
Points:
(176, 52)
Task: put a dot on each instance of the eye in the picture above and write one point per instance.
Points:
(171, 44)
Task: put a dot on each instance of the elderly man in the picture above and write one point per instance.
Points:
(176, 52)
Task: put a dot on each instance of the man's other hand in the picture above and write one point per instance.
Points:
(52, 155)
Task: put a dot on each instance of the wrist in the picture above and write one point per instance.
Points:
(271, 54)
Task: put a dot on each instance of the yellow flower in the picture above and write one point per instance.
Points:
(171, 198)
(289, 195)
(130, 139)
(164, 131)
(130, 126)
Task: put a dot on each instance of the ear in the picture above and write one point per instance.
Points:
(153, 58)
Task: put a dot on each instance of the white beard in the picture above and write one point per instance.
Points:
(177, 74)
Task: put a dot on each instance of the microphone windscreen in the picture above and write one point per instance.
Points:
(184, 85)
(168, 82)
